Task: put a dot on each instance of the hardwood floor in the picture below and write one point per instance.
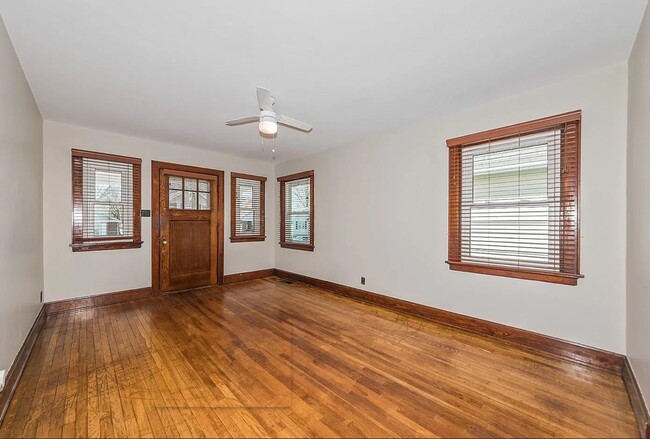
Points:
(268, 358)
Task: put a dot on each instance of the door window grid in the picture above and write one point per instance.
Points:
(188, 193)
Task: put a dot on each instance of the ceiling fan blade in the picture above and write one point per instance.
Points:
(242, 120)
(264, 99)
(294, 123)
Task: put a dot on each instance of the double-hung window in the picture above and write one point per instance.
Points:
(247, 208)
(514, 200)
(105, 201)
(297, 211)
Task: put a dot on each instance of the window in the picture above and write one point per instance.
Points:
(105, 201)
(297, 211)
(187, 193)
(514, 201)
(246, 208)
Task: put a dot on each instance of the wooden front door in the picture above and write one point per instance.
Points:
(188, 228)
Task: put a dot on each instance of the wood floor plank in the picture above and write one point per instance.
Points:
(267, 358)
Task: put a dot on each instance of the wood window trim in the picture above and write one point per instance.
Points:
(81, 244)
(455, 146)
(233, 208)
(283, 241)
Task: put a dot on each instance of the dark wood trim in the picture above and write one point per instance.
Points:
(283, 215)
(641, 413)
(233, 208)
(513, 130)
(247, 176)
(297, 176)
(81, 244)
(18, 366)
(544, 276)
(104, 156)
(90, 246)
(98, 300)
(312, 217)
(248, 275)
(293, 246)
(454, 205)
(567, 350)
(248, 238)
(156, 168)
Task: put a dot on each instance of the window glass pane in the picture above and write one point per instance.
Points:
(245, 196)
(190, 184)
(298, 196)
(175, 182)
(204, 185)
(248, 207)
(510, 200)
(175, 199)
(298, 228)
(108, 186)
(190, 199)
(298, 211)
(107, 219)
(204, 201)
(492, 238)
(511, 175)
(106, 197)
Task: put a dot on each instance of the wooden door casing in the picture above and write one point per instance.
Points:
(180, 228)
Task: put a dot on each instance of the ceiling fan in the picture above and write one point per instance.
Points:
(269, 119)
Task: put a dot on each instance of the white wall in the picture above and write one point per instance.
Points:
(21, 226)
(69, 274)
(381, 212)
(638, 212)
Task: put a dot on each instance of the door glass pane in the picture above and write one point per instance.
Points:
(175, 182)
(204, 201)
(190, 199)
(190, 184)
(175, 199)
(204, 186)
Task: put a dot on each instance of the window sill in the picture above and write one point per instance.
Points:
(304, 247)
(538, 275)
(95, 246)
(247, 238)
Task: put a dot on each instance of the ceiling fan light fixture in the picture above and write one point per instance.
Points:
(268, 122)
(268, 119)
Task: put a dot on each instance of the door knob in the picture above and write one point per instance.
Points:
(164, 241)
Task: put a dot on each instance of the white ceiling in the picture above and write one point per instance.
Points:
(176, 70)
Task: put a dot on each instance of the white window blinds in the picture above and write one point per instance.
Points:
(511, 202)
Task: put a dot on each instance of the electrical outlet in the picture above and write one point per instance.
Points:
(2, 379)
(363, 280)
